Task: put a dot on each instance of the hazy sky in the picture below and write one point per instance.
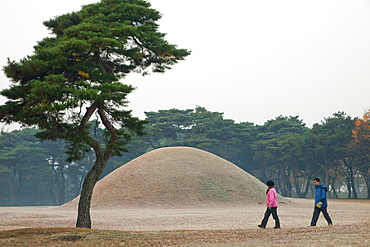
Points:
(252, 60)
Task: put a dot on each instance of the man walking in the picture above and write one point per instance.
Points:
(321, 202)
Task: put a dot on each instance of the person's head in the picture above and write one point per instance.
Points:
(316, 181)
(270, 183)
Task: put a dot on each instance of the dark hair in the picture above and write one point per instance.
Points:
(270, 183)
(316, 179)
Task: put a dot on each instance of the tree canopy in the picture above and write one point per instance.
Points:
(282, 149)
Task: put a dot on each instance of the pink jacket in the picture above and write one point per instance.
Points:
(271, 198)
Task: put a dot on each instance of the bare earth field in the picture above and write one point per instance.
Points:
(232, 226)
(181, 196)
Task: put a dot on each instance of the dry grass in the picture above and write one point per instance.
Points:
(346, 235)
(176, 177)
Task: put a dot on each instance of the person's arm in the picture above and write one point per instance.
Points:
(323, 195)
(270, 198)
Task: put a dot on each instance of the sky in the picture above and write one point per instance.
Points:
(251, 60)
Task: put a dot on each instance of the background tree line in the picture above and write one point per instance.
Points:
(34, 172)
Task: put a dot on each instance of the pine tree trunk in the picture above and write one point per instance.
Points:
(367, 182)
(83, 217)
(287, 186)
(353, 186)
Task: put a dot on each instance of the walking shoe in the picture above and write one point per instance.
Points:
(277, 227)
(261, 226)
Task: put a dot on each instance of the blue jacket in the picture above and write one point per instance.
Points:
(320, 195)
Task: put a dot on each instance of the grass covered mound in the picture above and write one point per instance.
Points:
(177, 177)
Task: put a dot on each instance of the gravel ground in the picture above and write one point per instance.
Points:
(233, 226)
(296, 214)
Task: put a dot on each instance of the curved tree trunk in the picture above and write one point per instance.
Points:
(102, 157)
(332, 190)
(349, 190)
(83, 217)
(299, 188)
(287, 186)
(366, 175)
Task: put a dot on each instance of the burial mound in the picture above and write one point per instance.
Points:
(176, 177)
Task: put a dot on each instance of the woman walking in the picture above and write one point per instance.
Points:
(271, 206)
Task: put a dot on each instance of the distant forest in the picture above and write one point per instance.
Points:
(34, 172)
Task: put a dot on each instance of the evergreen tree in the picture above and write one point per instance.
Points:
(74, 77)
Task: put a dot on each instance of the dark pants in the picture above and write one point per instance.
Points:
(316, 214)
(268, 212)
